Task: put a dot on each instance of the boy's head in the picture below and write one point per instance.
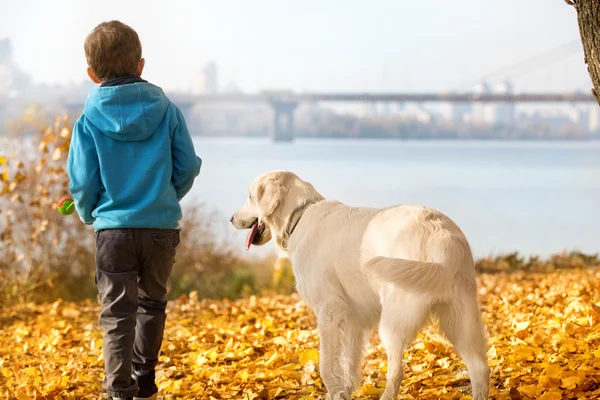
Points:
(113, 50)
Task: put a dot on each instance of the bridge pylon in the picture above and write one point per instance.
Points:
(283, 120)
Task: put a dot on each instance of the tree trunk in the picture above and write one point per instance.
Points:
(588, 17)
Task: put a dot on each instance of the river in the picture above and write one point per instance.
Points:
(537, 198)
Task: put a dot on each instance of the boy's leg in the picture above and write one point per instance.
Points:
(117, 266)
(159, 256)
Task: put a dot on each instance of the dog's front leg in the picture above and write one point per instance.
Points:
(332, 319)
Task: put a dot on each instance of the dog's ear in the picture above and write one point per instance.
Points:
(260, 191)
(269, 196)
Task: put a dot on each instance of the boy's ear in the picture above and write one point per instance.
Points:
(140, 67)
(93, 76)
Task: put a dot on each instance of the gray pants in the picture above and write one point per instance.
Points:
(132, 268)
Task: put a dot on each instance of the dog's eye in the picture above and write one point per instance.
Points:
(249, 196)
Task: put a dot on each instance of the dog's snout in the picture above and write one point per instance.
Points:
(231, 219)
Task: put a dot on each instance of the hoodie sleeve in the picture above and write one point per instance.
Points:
(186, 164)
(84, 172)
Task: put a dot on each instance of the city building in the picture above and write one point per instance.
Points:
(454, 112)
(594, 121)
(576, 115)
(483, 113)
(5, 67)
(503, 113)
(211, 81)
(416, 112)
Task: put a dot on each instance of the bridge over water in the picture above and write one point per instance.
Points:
(284, 103)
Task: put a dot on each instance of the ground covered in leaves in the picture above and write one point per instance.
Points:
(544, 337)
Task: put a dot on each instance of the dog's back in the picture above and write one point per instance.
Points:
(332, 233)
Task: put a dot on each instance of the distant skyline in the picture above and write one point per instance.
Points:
(312, 45)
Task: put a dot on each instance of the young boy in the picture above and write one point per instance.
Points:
(130, 163)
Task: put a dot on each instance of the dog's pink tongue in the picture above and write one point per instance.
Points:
(251, 236)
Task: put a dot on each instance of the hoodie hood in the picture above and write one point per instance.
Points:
(128, 113)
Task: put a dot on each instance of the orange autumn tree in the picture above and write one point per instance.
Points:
(39, 246)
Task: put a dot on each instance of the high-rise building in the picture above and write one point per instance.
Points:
(504, 112)
(594, 121)
(483, 113)
(582, 116)
(5, 50)
(5, 67)
(12, 79)
(211, 83)
(454, 112)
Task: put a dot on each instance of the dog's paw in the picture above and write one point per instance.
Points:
(338, 396)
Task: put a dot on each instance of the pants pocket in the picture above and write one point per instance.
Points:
(164, 245)
(116, 251)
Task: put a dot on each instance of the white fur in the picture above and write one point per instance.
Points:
(357, 268)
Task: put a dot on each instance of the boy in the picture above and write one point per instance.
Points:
(130, 163)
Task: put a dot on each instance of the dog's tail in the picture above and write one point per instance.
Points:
(412, 276)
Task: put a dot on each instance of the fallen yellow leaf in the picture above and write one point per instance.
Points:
(521, 326)
(570, 382)
(309, 355)
(369, 390)
(530, 390)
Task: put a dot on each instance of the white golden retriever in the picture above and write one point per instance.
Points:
(357, 268)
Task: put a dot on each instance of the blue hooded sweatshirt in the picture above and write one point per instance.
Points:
(131, 159)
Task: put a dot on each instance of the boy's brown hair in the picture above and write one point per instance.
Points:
(113, 50)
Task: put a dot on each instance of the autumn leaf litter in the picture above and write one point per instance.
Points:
(544, 338)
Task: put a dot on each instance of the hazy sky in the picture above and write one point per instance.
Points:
(316, 45)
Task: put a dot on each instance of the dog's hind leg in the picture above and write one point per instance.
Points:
(461, 321)
(354, 346)
(332, 321)
(403, 315)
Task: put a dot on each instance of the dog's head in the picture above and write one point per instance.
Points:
(272, 200)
